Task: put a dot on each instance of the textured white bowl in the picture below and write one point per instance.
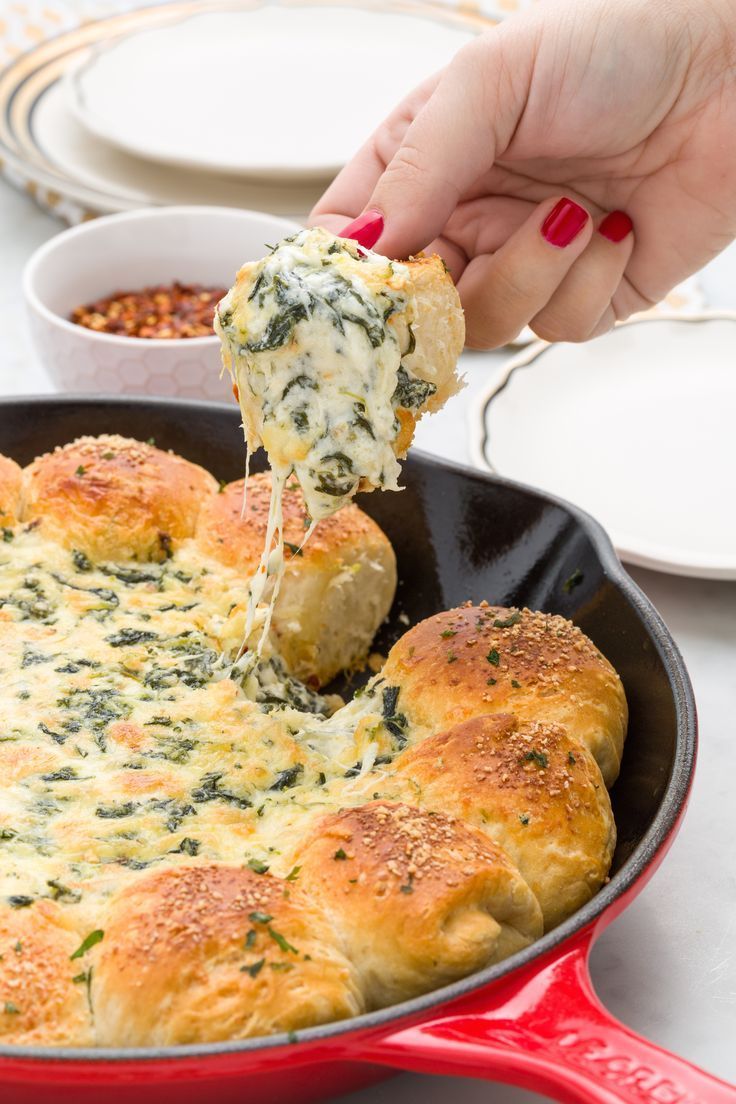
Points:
(131, 251)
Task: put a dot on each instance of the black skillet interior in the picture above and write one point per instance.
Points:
(458, 535)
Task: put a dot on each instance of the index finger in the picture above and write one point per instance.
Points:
(351, 189)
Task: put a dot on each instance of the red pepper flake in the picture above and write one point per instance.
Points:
(172, 311)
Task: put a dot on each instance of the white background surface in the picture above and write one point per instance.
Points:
(667, 967)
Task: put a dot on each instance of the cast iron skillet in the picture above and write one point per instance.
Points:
(533, 1020)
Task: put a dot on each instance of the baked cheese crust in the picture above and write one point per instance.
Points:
(195, 850)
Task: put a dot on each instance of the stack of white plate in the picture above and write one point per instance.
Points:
(232, 104)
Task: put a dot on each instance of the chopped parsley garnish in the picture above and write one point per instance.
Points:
(573, 581)
(80, 471)
(447, 633)
(494, 657)
(451, 657)
(339, 854)
(260, 917)
(516, 685)
(11, 1009)
(491, 682)
(537, 757)
(513, 619)
(281, 941)
(258, 866)
(88, 942)
(293, 874)
(571, 758)
(254, 969)
(524, 818)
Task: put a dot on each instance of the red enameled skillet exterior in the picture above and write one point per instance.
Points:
(534, 1020)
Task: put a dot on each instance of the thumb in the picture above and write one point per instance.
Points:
(471, 115)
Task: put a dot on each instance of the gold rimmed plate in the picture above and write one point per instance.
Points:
(45, 148)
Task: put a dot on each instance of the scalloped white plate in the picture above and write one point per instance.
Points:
(638, 428)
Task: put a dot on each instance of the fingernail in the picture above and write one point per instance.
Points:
(366, 229)
(616, 226)
(564, 222)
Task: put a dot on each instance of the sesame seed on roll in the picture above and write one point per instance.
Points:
(530, 788)
(418, 898)
(206, 953)
(484, 659)
(43, 999)
(114, 498)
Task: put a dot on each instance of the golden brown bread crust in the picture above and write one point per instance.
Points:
(114, 498)
(43, 999)
(533, 790)
(236, 540)
(418, 898)
(486, 659)
(179, 964)
(439, 333)
(141, 758)
(336, 591)
(10, 479)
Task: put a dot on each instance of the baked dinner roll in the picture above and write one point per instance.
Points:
(205, 953)
(10, 478)
(43, 993)
(418, 898)
(533, 790)
(336, 590)
(113, 498)
(486, 659)
(335, 352)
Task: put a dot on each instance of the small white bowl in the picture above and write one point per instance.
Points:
(130, 251)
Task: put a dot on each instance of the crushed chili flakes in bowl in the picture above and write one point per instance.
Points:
(164, 311)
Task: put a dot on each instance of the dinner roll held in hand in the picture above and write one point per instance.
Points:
(538, 666)
(199, 954)
(336, 590)
(335, 353)
(418, 898)
(533, 790)
(114, 498)
(10, 479)
(43, 1000)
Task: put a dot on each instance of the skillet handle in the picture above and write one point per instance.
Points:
(546, 1030)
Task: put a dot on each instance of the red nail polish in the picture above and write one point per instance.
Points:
(564, 222)
(616, 226)
(366, 229)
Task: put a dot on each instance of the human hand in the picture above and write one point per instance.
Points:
(571, 165)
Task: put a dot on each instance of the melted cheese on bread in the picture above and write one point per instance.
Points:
(321, 340)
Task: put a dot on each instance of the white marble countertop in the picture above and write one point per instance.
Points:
(667, 967)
